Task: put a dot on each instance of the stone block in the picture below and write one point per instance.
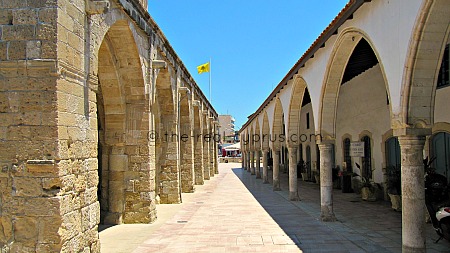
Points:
(5, 229)
(17, 50)
(27, 186)
(71, 225)
(48, 228)
(25, 229)
(42, 207)
(3, 51)
(33, 50)
(24, 17)
(6, 17)
(18, 32)
(45, 248)
(118, 162)
(47, 16)
(41, 3)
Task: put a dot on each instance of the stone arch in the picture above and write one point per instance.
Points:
(265, 131)
(295, 106)
(343, 49)
(423, 63)
(257, 136)
(277, 125)
(123, 129)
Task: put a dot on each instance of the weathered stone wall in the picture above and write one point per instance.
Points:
(76, 97)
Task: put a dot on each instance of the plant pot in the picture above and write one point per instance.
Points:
(367, 194)
(396, 201)
(304, 176)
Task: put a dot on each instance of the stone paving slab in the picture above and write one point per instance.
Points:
(235, 212)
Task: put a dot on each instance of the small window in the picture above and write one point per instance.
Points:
(307, 120)
(367, 159)
(443, 78)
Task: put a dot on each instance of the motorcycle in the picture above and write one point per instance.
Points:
(437, 201)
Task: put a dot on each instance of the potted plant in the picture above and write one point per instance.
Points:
(368, 190)
(394, 186)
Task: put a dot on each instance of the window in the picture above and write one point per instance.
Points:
(347, 157)
(440, 149)
(443, 78)
(367, 159)
(307, 120)
(392, 152)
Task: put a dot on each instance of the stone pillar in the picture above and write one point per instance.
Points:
(187, 163)
(198, 161)
(212, 166)
(293, 187)
(265, 166)
(413, 194)
(326, 182)
(276, 169)
(248, 161)
(206, 162)
(258, 165)
(243, 159)
(252, 162)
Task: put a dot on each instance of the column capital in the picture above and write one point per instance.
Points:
(266, 149)
(412, 131)
(292, 148)
(325, 146)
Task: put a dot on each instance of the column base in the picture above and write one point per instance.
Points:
(252, 171)
(293, 196)
(276, 185)
(326, 215)
(265, 181)
(406, 249)
(258, 176)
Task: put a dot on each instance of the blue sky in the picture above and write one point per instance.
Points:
(252, 43)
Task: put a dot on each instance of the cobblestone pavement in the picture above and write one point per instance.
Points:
(235, 212)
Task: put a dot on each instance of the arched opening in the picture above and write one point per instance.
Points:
(440, 151)
(167, 168)
(123, 125)
(362, 106)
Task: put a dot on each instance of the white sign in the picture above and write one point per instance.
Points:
(357, 149)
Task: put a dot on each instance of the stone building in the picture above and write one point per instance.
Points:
(99, 121)
(378, 75)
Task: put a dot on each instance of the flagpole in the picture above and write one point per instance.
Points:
(210, 80)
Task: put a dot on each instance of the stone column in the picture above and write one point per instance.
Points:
(198, 158)
(248, 161)
(276, 169)
(293, 187)
(265, 166)
(212, 166)
(413, 194)
(243, 159)
(258, 165)
(252, 162)
(326, 182)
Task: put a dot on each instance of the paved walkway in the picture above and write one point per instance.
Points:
(235, 212)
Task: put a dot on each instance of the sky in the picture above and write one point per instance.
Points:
(252, 44)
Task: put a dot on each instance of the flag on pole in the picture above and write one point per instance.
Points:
(203, 68)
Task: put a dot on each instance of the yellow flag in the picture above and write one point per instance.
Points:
(203, 68)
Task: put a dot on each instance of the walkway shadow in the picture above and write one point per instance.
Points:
(362, 226)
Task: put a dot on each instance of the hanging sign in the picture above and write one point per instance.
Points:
(357, 149)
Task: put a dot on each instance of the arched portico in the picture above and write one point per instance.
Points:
(277, 139)
(124, 119)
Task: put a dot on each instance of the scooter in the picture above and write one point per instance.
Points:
(437, 201)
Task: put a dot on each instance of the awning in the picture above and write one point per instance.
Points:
(236, 146)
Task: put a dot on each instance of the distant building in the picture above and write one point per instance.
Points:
(226, 129)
